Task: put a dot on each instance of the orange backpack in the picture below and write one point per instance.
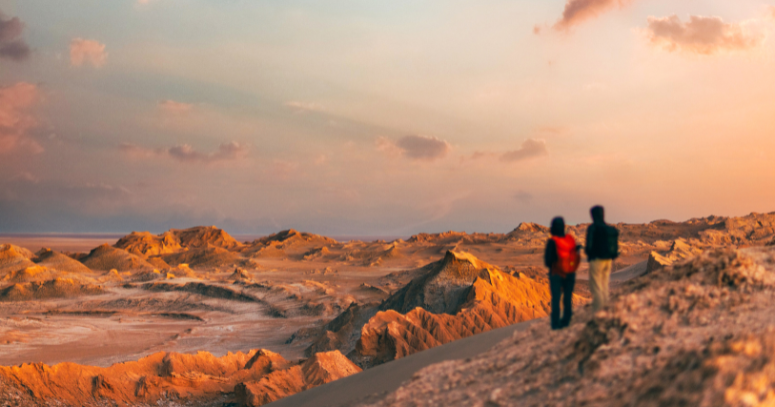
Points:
(568, 258)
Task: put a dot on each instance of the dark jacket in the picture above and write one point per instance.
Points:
(602, 241)
(550, 253)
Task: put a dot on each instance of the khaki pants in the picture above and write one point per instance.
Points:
(599, 275)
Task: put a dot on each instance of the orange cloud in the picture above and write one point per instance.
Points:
(12, 46)
(305, 106)
(173, 107)
(700, 35)
(185, 153)
(577, 11)
(16, 120)
(415, 147)
(87, 52)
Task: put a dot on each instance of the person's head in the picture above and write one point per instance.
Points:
(598, 213)
(558, 227)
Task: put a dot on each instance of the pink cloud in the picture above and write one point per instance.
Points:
(530, 148)
(700, 35)
(87, 52)
(12, 46)
(173, 107)
(415, 147)
(16, 119)
(577, 11)
(185, 153)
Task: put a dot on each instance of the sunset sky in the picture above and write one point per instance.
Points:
(381, 117)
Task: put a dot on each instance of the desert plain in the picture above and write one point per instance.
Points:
(197, 317)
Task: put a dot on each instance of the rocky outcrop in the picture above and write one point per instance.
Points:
(254, 378)
(106, 258)
(320, 369)
(175, 240)
(61, 262)
(56, 288)
(495, 300)
(679, 250)
(13, 258)
(342, 333)
(205, 257)
(146, 244)
(443, 289)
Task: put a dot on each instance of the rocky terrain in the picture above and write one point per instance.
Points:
(698, 332)
(196, 316)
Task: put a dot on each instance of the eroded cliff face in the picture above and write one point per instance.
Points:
(253, 378)
(698, 332)
(493, 300)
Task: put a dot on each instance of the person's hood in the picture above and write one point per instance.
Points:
(558, 227)
(598, 214)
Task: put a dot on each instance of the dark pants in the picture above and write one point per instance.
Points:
(562, 287)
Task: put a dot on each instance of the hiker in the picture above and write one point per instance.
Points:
(562, 258)
(602, 248)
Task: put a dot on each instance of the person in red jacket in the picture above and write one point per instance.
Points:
(562, 258)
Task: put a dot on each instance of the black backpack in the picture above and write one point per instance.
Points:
(606, 241)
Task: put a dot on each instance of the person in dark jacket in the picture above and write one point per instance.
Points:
(560, 284)
(602, 248)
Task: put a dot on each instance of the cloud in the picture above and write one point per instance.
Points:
(12, 46)
(173, 107)
(700, 35)
(185, 153)
(523, 196)
(87, 52)
(305, 106)
(577, 11)
(415, 147)
(530, 148)
(16, 120)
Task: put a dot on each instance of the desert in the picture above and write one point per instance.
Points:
(351, 203)
(196, 316)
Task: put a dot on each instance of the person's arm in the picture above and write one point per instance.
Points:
(588, 243)
(550, 253)
(616, 241)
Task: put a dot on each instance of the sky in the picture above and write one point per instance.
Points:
(377, 118)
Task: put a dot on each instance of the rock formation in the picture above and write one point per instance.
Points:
(493, 299)
(57, 288)
(55, 260)
(107, 258)
(259, 377)
(679, 250)
(320, 369)
(14, 258)
(175, 240)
